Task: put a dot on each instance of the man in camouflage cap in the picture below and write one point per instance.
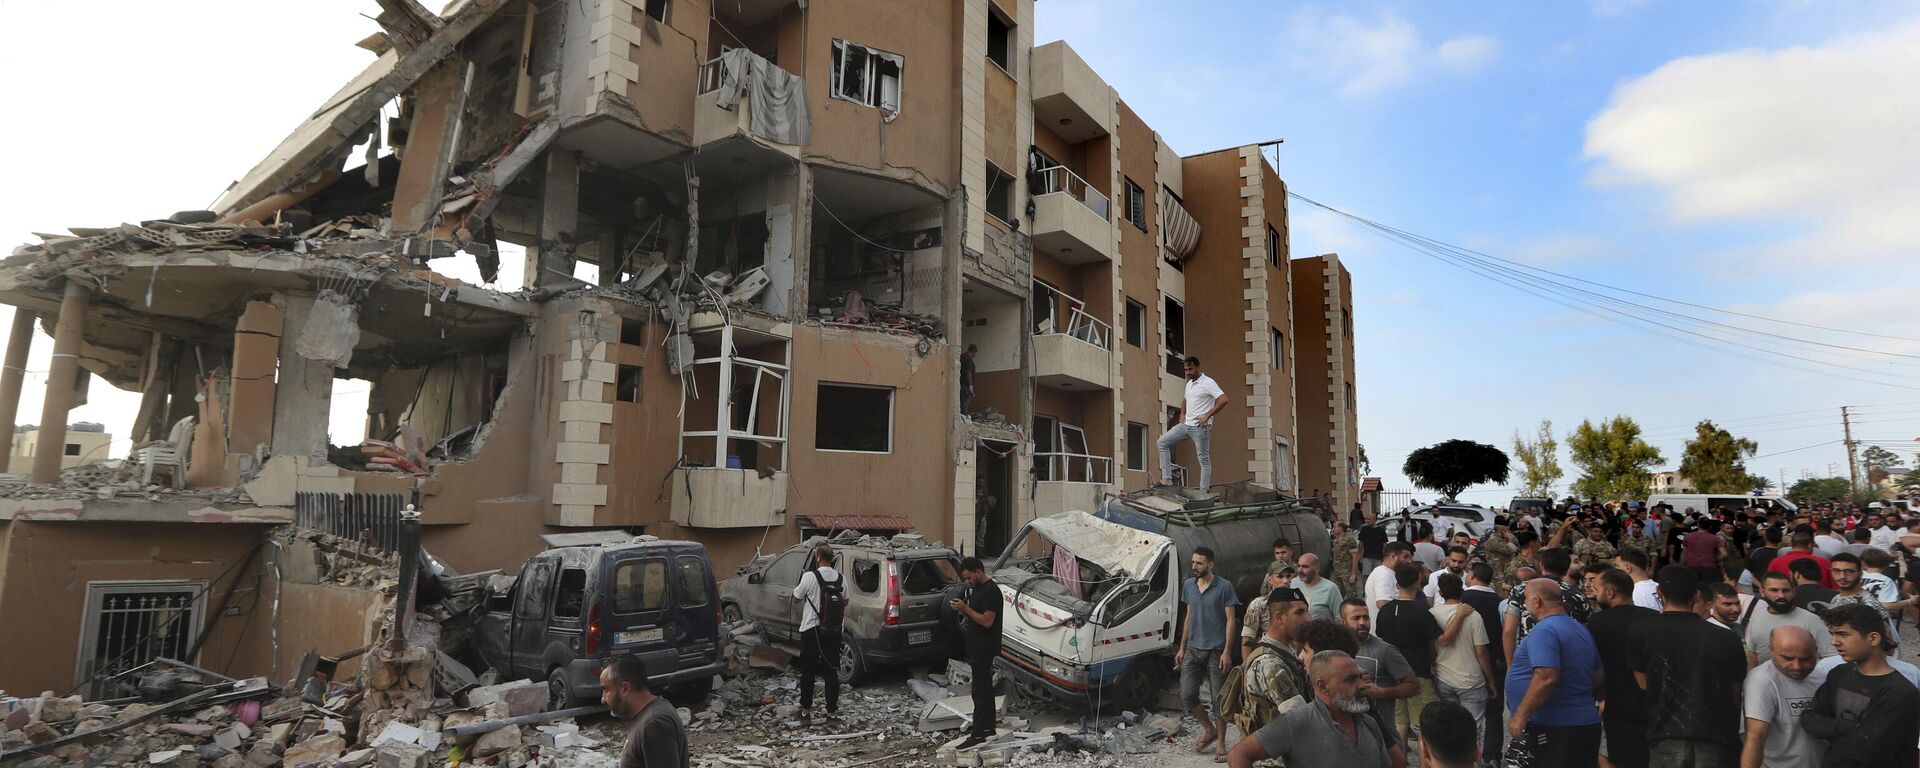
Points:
(1526, 555)
(1593, 548)
(1346, 557)
(1279, 576)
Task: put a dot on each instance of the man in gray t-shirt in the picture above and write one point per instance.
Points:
(1777, 591)
(1315, 734)
(657, 738)
(1776, 693)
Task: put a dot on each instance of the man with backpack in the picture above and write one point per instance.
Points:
(1273, 673)
(822, 596)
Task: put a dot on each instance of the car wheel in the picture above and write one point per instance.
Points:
(1140, 685)
(730, 614)
(559, 692)
(853, 664)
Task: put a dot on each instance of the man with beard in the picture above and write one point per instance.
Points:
(1389, 677)
(657, 739)
(1867, 711)
(1323, 596)
(1201, 651)
(1331, 732)
(1204, 399)
(1777, 590)
(1625, 719)
(1776, 694)
(1848, 574)
(1456, 564)
(1691, 672)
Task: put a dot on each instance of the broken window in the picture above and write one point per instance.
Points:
(572, 592)
(866, 576)
(999, 39)
(999, 193)
(1176, 339)
(926, 577)
(1136, 205)
(867, 76)
(854, 417)
(1045, 430)
(1136, 323)
(694, 580)
(1046, 300)
(533, 593)
(657, 10)
(1136, 446)
(73, 449)
(627, 389)
(786, 570)
(639, 585)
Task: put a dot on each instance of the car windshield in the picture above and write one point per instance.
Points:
(926, 577)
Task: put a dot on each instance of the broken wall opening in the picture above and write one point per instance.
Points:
(744, 375)
(991, 321)
(876, 252)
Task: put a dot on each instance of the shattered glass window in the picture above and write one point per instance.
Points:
(692, 573)
(639, 585)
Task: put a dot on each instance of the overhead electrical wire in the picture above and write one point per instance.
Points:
(1591, 303)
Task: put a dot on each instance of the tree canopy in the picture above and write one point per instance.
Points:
(1716, 461)
(1455, 465)
(1615, 463)
(1539, 461)
(1818, 489)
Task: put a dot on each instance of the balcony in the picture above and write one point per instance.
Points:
(711, 497)
(1076, 359)
(720, 84)
(1077, 482)
(1070, 218)
(1069, 98)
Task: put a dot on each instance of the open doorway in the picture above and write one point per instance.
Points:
(993, 498)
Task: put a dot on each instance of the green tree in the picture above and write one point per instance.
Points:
(1818, 489)
(1876, 457)
(1453, 466)
(1760, 482)
(1539, 461)
(1716, 461)
(1615, 464)
(1366, 464)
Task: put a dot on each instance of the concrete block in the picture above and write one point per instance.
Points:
(577, 515)
(581, 474)
(579, 350)
(310, 469)
(522, 697)
(580, 432)
(277, 482)
(581, 410)
(590, 370)
(585, 453)
(568, 494)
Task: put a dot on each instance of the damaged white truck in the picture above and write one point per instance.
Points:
(1094, 597)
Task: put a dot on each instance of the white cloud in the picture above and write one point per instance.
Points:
(1370, 56)
(1468, 54)
(1818, 135)
(1614, 7)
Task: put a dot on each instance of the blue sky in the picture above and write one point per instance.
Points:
(1758, 155)
(1755, 156)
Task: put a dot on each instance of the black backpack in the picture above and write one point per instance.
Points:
(833, 602)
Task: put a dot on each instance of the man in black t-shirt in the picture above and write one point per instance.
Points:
(1373, 543)
(1867, 711)
(1692, 672)
(1625, 718)
(982, 607)
(1411, 629)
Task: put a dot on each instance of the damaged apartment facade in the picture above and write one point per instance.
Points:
(757, 236)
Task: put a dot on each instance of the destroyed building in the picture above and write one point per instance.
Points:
(757, 237)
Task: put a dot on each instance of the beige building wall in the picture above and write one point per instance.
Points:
(81, 448)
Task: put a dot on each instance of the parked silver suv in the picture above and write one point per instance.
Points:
(896, 599)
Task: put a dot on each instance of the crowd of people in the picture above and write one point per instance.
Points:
(1574, 635)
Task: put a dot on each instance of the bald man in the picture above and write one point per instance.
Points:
(1323, 596)
(1552, 686)
(1776, 693)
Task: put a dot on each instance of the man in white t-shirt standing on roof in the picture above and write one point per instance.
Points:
(1204, 401)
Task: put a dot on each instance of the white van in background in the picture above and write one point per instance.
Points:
(1703, 502)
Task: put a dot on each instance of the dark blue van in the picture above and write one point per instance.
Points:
(573, 607)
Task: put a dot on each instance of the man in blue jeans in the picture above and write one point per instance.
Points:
(1551, 688)
(1204, 401)
(1201, 650)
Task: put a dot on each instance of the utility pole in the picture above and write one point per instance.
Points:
(1853, 463)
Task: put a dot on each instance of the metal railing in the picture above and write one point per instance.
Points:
(371, 518)
(1074, 467)
(1084, 327)
(1060, 180)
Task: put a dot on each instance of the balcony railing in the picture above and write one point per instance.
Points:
(1084, 327)
(1074, 467)
(713, 76)
(1060, 180)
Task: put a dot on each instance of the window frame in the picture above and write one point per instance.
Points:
(1136, 204)
(873, 91)
(1273, 246)
(892, 413)
(704, 581)
(1136, 446)
(1008, 40)
(1277, 345)
(1136, 324)
(1168, 350)
(1004, 185)
(665, 10)
(639, 564)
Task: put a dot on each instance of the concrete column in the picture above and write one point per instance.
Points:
(61, 375)
(19, 343)
(559, 218)
(256, 354)
(303, 399)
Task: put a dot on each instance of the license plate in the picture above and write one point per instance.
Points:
(920, 637)
(639, 636)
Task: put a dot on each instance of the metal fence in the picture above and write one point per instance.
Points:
(371, 518)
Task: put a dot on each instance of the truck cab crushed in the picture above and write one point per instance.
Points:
(1094, 597)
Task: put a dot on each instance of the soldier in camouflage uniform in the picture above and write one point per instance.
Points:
(1636, 538)
(1346, 544)
(1526, 555)
(1274, 673)
(1499, 549)
(1279, 576)
(1594, 547)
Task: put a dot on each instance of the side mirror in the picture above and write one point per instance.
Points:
(754, 578)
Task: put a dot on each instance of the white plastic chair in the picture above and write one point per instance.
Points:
(172, 452)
